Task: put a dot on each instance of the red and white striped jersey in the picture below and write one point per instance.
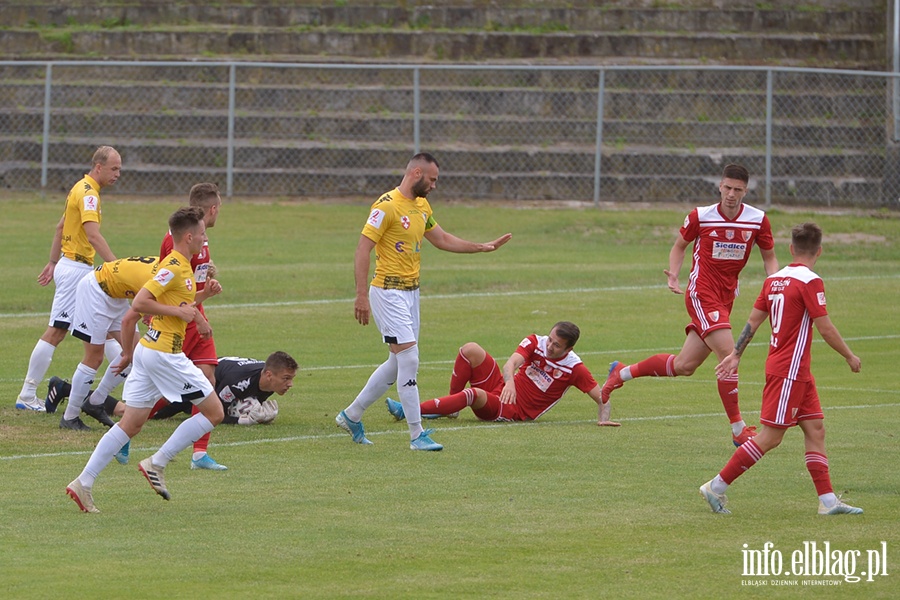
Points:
(793, 297)
(722, 248)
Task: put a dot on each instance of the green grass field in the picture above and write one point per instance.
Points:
(554, 509)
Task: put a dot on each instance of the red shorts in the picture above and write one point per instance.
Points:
(706, 315)
(488, 377)
(200, 351)
(786, 402)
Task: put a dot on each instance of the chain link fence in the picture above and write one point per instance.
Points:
(623, 134)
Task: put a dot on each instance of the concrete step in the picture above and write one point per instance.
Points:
(786, 191)
(477, 131)
(780, 48)
(635, 173)
(347, 77)
(620, 103)
(549, 16)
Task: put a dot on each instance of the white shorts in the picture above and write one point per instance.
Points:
(66, 276)
(396, 314)
(156, 375)
(96, 314)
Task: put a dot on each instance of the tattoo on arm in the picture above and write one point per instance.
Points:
(743, 340)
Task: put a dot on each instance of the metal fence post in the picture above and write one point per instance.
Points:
(895, 101)
(45, 144)
(229, 176)
(770, 75)
(598, 146)
(416, 108)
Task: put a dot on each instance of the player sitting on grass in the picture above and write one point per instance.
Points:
(530, 383)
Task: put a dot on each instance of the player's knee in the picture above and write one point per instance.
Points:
(683, 370)
(473, 353)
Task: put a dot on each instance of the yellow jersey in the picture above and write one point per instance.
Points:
(123, 278)
(397, 225)
(82, 206)
(173, 284)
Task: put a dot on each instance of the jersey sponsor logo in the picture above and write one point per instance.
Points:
(525, 343)
(90, 202)
(540, 378)
(404, 221)
(729, 250)
(820, 297)
(399, 247)
(376, 217)
(164, 277)
(152, 335)
(200, 273)
(226, 395)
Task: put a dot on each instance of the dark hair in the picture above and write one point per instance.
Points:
(733, 171)
(280, 361)
(204, 195)
(426, 157)
(184, 219)
(567, 331)
(806, 238)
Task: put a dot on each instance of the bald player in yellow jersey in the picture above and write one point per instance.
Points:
(397, 223)
(161, 369)
(76, 240)
(101, 303)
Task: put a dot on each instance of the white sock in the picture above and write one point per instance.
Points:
(379, 381)
(718, 485)
(37, 368)
(111, 349)
(111, 442)
(109, 382)
(408, 389)
(829, 499)
(625, 374)
(198, 455)
(186, 434)
(81, 387)
(736, 428)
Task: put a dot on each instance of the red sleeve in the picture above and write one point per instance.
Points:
(584, 380)
(764, 239)
(762, 301)
(814, 298)
(166, 247)
(691, 228)
(526, 347)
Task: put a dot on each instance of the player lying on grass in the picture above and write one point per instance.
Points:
(245, 386)
(531, 382)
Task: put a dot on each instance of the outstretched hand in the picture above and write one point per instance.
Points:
(491, 246)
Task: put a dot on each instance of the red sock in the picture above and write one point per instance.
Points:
(817, 465)
(202, 444)
(659, 365)
(728, 392)
(462, 374)
(449, 404)
(743, 458)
